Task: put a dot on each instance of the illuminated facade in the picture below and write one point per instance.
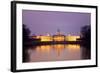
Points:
(72, 38)
(46, 38)
(58, 37)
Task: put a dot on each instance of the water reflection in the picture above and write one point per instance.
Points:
(56, 52)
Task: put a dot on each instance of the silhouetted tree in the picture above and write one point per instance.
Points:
(26, 33)
(26, 40)
(86, 35)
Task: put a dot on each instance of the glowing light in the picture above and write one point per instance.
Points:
(48, 34)
(73, 47)
(37, 37)
(58, 38)
(72, 38)
(44, 48)
(46, 38)
(58, 46)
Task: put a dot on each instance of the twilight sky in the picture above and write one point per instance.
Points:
(42, 22)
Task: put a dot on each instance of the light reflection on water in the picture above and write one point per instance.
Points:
(56, 52)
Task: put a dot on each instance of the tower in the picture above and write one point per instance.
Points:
(58, 32)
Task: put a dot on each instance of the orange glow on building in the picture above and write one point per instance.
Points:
(58, 37)
(72, 38)
(46, 38)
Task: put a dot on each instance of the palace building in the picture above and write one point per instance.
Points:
(57, 37)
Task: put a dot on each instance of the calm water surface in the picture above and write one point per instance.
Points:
(56, 52)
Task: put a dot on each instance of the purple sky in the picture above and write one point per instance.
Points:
(42, 22)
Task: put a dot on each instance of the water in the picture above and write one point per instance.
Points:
(56, 52)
